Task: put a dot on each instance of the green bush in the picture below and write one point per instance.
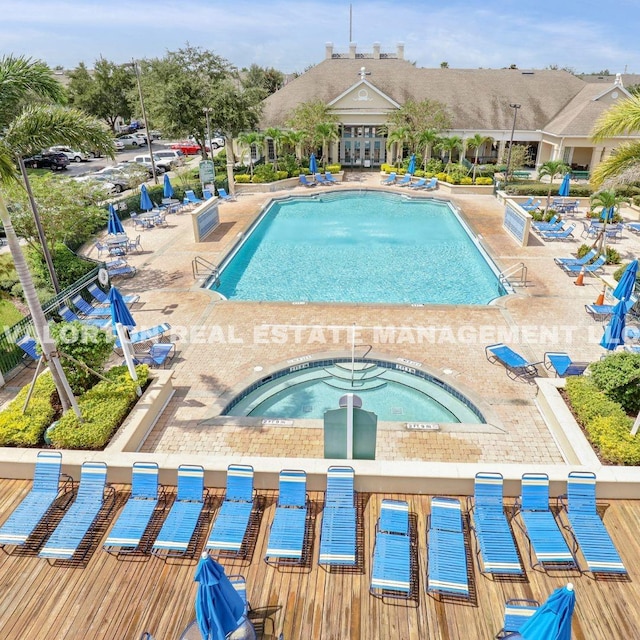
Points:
(103, 408)
(282, 175)
(484, 180)
(387, 168)
(334, 168)
(613, 257)
(265, 173)
(618, 375)
(466, 180)
(242, 178)
(69, 267)
(26, 430)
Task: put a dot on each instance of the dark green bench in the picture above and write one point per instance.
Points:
(580, 175)
(521, 174)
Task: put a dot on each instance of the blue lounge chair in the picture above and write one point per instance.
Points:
(527, 202)
(603, 312)
(515, 365)
(418, 184)
(126, 270)
(190, 198)
(562, 364)
(239, 583)
(230, 527)
(45, 490)
(328, 176)
(496, 551)
(146, 335)
(563, 234)
(320, 179)
(79, 521)
(547, 546)
(158, 356)
(516, 612)
(129, 529)
(404, 181)
(100, 296)
(206, 194)
(587, 257)
(391, 570)
(432, 184)
(552, 224)
(70, 316)
(338, 535)
(390, 179)
(575, 269)
(634, 227)
(179, 527)
(304, 182)
(286, 538)
(587, 527)
(89, 310)
(531, 206)
(225, 196)
(29, 346)
(446, 552)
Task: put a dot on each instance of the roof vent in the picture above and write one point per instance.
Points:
(528, 73)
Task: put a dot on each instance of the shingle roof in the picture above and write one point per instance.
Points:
(478, 99)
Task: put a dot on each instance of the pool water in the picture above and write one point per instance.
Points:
(394, 395)
(359, 247)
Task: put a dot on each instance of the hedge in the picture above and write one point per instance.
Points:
(26, 430)
(104, 408)
(607, 425)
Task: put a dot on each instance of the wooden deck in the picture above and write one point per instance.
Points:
(108, 598)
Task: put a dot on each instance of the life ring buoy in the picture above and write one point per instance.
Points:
(103, 277)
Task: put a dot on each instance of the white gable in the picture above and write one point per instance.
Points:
(363, 96)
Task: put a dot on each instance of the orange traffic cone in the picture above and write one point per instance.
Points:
(580, 279)
(600, 300)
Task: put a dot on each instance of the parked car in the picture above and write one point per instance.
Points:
(155, 134)
(175, 156)
(132, 140)
(47, 160)
(119, 180)
(101, 183)
(216, 142)
(118, 144)
(142, 136)
(162, 165)
(187, 147)
(72, 154)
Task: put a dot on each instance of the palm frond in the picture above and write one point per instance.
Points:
(620, 167)
(623, 117)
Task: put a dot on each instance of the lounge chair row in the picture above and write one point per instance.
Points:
(318, 179)
(407, 181)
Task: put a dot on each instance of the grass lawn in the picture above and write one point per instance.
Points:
(9, 314)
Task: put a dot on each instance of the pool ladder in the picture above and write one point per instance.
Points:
(202, 268)
(505, 277)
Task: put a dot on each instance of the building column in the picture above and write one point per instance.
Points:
(502, 146)
(596, 157)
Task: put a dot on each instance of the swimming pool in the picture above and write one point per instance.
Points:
(359, 246)
(394, 392)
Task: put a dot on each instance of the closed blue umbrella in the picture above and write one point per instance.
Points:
(627, 283)
(114, 226)
(219, 607)
(313, 165)
(119, 310)
(167, 191)
(614, 332)
(606, 214)
(145, 200)
(552, 620)
(564, 185)
(412, 164)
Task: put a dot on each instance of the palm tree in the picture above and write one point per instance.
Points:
(475, 142)
(276, 135)
(247, 141)
(324, 133)
(607, 200)
(295, 140)
(427, 139)
(400, 136)
(552, 168)
(449, 145)
(30, 122)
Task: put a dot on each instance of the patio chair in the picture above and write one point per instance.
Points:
(100, 296)
(634, 227)
(230, 527)
(564, 234)
(239, 583)
(320, 179)
(179, 527)
(531, 206)
(587, 257)
(587, 527)
(88, 310)
(287, 534)
(418, 184)
(603, 312)
(339, 519)
(546, 544)
(553, 223)
(614, 231)
(101, 247)
(146, 335)
(496, 551)
(191, 198)
(129, 529)
(515, 365)
(446, 553)
(158, 356)
(206, 194)
(391, 565)
(575, 269)
(562, 364)
(80, 519)
(516, 612)
(70, 316)
(134, 245)
(44, 492)
(431, 185)
(304, 182)
(30, 346)
(225, 196)
(405, 180)
(390, 179)
(527, 202)
(141, 223)
(328, 176)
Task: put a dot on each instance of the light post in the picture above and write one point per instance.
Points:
(207, 111)
(515, 108)
(146, 122)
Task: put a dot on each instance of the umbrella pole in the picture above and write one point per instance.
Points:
(126, 350)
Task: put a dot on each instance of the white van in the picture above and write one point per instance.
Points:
(175, 156)
(72, 154)
(162, 164)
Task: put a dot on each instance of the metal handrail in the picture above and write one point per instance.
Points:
(505, 275)
(202, 267)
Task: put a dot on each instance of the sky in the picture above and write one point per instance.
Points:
(584, 36)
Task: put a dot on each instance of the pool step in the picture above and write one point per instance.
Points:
(361, 371)
(347, 387)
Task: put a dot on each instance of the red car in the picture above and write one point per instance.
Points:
(187, 147)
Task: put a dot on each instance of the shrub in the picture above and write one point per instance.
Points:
(617, 274)
(265, 173)
(387, 168)
(26, 430)
(613, 257)
(69, 267)
(242, 178)
(483, 180)
(434, 166)
(618, 375)
(334, 168)
(281, 175)
(466, 180)
(103, 408)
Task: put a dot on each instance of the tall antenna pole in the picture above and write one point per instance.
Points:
(350, 23)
